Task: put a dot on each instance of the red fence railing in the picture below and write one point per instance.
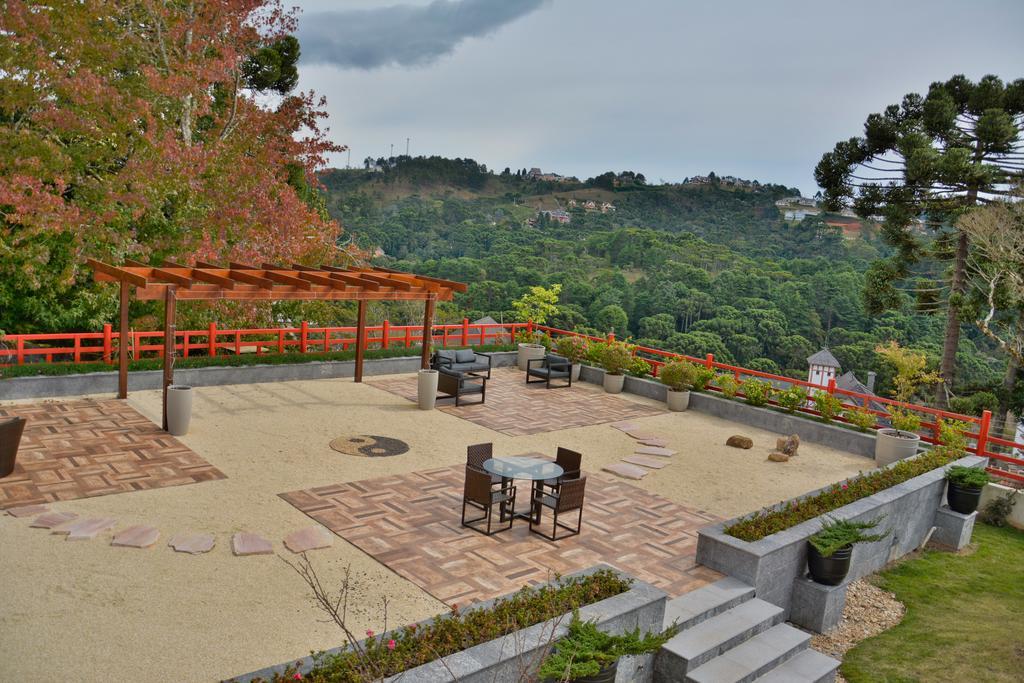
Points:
(978, 432)
(77, 347)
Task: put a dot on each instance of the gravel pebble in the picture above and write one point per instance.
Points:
(869, 610)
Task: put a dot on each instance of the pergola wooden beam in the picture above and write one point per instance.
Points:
(173, 282)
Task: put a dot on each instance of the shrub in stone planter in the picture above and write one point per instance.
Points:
(702, 377)
(729, 385)
(829, 551)
(827, 405)
(965, 485)
(757, 392)
(639, 368)
(792, 399)
(589, 655)
(861, 418)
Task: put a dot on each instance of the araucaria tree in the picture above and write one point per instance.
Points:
(919, 165)
(149, 130)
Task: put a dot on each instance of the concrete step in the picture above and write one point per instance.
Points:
(702, 604)
(703, 642)
(754, 657)
(808, 666)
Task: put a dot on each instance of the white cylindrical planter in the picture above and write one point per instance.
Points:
(529, 352)
(426, 389)
(613, 383)
(179, 409)
(678, 401)
(575, 372)
(892, 445)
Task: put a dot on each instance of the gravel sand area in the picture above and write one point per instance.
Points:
(83, 610)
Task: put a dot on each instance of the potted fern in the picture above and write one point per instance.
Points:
(575, 349)
(588, 655)
(829, 551)
(965, 485)
(678, 376)
(901, 440)
(615, 357)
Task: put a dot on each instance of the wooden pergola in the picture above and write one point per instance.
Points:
(268, 282)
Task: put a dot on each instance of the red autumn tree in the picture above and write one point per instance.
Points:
(148, 130)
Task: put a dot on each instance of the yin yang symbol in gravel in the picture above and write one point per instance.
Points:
(369, 445)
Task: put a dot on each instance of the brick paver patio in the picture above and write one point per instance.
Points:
(516, 408)
(85, 448)
(411, 524)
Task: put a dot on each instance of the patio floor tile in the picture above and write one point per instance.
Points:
(418, 535)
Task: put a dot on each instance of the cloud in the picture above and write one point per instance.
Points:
(402, 34)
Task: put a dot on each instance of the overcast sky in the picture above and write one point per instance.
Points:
(666, 87)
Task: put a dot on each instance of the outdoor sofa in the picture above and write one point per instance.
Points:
(463, 360)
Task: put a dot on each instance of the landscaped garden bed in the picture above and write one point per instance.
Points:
(480, 642)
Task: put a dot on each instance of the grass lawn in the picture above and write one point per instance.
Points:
(965, 617)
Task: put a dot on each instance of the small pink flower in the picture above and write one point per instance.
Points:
(369, 633)
(391, 644)
(297, 676)
(844, 487)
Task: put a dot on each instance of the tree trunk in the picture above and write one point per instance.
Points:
(952, 338)
(1009, 384)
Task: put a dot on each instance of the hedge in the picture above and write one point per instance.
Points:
(773, 520)
(54, 369)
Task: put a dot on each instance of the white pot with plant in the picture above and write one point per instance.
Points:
(538, 304)
(678, 377)
(575, 349)
(528, 348)
(901, 440)
(615, 358)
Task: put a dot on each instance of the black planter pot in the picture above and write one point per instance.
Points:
(963, 499)
(11, 429)
(829, 571)
(602, 676)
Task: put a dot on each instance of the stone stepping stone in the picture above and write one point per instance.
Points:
(193, 544)
(52, 519)
(646, 461)
(626, 470)
(139, 536)
(28, 510)
(84, 529)
(244, 543)
(310, 538)
(661, 443)
(656, 450)
(641, 437)
(625, 426)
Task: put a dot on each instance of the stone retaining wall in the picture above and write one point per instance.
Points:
(513, 657)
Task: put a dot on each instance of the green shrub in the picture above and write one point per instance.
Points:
(861, 418)
(838, 534)
(573, 348)
(453, 632)
(639, 367)
(678, 375)
(827, 405)
(904, 420)
(772, 520)
(997, 510)
(616, 357)
(757, 392)
(952, 433)
(792, 399)
(585, 651)
(729, 385)
(968, 477)
(975, 404)
(702, 377)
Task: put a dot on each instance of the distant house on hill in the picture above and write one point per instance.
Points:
(557, 215)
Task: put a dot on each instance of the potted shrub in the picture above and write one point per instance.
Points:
(901, 441)
(757, 392)
(829, 551)
(575, 349)
(616, 358)
(678, 376)
(528, 348)
(965, 485)
(588, 655)
(11, 429)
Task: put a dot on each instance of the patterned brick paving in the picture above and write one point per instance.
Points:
(80, 449)
(516, 408)
(411, 524)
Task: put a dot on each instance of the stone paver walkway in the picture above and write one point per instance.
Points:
(86, 448)
(411, 524)
(515, 408)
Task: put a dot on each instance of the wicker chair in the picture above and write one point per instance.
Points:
(479, 495)
(570, 462)
(567, 498)
(477, 455)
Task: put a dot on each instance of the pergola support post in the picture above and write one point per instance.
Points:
(122, 345)
(360, 339)
(428, 328)
(169, 334)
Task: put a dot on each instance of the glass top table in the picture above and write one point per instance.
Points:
(523, 467)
